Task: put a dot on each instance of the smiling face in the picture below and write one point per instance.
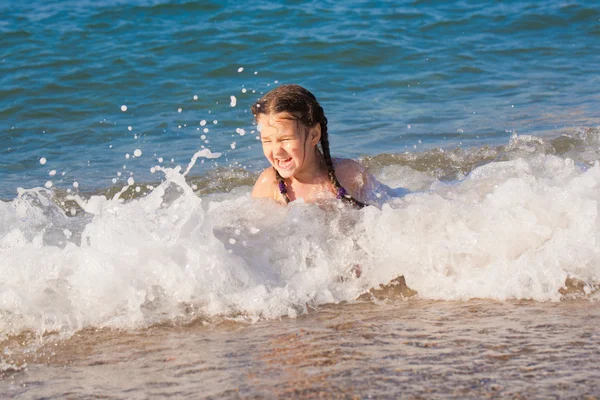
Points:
(288, 144)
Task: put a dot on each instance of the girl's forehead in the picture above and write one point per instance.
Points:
(276, 123)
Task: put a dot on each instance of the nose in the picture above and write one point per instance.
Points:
(278, 148)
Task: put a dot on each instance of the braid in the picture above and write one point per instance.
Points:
(302, 105)
(341, 192)
(282, 188)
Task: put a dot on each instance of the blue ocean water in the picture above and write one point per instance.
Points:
(482, 118)
(393, 76)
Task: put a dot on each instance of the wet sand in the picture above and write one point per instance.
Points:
(406, 348)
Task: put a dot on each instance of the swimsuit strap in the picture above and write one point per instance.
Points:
(282, 188)
(341, 193)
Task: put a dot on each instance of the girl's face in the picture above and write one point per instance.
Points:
(286, 143)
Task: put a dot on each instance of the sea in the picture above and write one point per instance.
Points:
(134, 263)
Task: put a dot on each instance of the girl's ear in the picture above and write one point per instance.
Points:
(314, 134)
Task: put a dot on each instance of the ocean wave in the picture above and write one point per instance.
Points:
(514, 222)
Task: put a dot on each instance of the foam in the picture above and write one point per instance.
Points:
(509, 229)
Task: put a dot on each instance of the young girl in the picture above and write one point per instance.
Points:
(292, 124)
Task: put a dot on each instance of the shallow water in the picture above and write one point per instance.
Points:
(129, 271)
(392, 77)
(409, 349)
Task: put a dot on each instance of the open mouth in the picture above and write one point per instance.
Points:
(284, 163)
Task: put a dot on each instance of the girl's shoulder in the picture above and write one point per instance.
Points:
(266, 185)
(353, 177)
(347, 169)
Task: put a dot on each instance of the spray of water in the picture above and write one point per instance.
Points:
(517, 227)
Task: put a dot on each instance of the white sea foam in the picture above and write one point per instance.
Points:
(509, 229)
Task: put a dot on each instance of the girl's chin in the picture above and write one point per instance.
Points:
(285, 173)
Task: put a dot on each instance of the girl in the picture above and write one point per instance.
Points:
(292, 124)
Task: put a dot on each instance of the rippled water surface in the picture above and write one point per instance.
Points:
(392, 77)
(127, 271)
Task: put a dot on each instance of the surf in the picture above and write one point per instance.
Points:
(518, 226)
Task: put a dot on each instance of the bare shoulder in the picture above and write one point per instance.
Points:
(266, 184)
(349, 172)
(348, 166)
(353, 177)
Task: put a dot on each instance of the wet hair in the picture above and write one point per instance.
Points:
(301, 105)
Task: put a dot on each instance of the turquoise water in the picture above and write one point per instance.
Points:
(482, 118)
(392, 77)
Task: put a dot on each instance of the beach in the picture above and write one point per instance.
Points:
(408, 348)
(135, 264)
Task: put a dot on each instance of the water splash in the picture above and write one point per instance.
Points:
(516, 227)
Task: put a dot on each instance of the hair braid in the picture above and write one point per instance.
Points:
(282, 188)
(303, 106)
(341, 192)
